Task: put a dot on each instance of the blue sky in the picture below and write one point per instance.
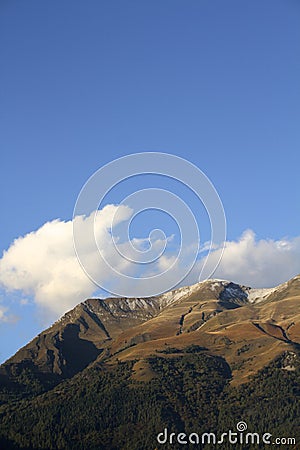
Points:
(83, 83)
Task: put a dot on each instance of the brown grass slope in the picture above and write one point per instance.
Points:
(218, 315)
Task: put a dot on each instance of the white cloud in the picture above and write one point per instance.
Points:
(258, 263)
(43, 263)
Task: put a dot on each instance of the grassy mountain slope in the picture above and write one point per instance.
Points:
(112, 374)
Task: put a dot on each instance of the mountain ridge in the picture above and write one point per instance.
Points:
(206, 313)
(113, 373)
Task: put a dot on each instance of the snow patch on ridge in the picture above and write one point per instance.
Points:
(172, 296)
(258, 295)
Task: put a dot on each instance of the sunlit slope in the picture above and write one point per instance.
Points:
(248, 327)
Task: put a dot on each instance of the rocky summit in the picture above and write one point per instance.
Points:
(112, 373)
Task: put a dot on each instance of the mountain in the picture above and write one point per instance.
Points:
(113, 373)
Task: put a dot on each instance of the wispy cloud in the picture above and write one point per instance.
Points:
(6, 317)
(2, 313)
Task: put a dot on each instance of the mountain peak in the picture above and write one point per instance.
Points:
(216, 314)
